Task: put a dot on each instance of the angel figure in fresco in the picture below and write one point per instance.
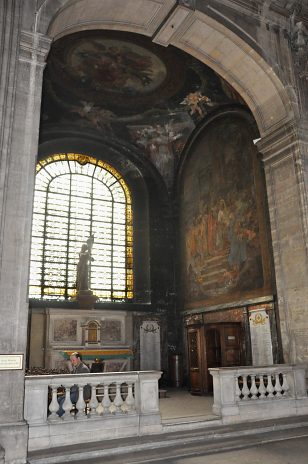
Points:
(157, 141)
(83, 279)
(99, 117)
(196, 101)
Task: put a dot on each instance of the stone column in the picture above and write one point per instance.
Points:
(21, 74)
(285, 153)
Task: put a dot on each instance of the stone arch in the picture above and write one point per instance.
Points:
(57, 18)
(192, 31)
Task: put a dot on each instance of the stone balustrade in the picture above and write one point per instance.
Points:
(109, 405)
(256, 393)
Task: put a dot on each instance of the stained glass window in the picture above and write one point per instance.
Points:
(76, 196)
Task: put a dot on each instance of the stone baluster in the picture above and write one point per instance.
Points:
(106, 400)
(253, 388)
(245, 389)
(93, 401)
(262, 389)
(54, 405)
(130, 400)
(270, 388)
(118, 401)
(99, 395)
(285, 386)
(278, 386)
(238, 391)
(80, 405)
(67, 405)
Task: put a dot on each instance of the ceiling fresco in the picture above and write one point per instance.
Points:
(122, 85)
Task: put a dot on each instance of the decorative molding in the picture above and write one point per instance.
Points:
(231, 305)
(296, 31)
(34, 47)
(278, 143)
(244, 6)
(282, 8)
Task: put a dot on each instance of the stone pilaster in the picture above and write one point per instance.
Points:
(284, 153)
(23, 56)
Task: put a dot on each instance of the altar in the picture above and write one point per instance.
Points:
(106, 335)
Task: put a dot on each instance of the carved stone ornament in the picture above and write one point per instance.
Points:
(299, 40)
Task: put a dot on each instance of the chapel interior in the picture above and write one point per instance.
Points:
(182, 140)
(153, 195)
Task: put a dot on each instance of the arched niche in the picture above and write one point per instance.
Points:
(224, 241)
(149, 197)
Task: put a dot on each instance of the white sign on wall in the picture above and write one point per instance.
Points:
(261, 339)
(11, 361)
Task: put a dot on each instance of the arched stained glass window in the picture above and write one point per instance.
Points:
(76, 196)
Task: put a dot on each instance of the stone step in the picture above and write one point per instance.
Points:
(211, 438)
(203, 452)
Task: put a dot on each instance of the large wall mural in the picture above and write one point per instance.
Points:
(220, 218)
(124, 86)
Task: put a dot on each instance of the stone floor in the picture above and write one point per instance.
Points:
(179, 404)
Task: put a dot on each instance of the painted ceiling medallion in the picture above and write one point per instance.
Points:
(116, 66)
(115, 70)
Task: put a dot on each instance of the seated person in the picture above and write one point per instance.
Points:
(78, 368)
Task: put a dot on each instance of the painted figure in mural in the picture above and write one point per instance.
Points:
(82, 281)
(222, 226)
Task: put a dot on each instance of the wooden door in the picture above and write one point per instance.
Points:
(212, 345)
(222, 348)
(196, 360)
(213, 354)
(231, 345)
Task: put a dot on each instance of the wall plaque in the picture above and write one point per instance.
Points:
(261, 340)
(11, 361)
(150, 346)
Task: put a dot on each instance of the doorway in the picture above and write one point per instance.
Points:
(212, 345)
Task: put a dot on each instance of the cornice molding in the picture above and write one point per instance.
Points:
(287, 8)
(34, 47)
(245, 6)
(279, 143)
(283, 8)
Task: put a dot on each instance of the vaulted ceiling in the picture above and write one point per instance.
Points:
(123, 86)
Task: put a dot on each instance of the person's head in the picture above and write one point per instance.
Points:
(75, 358)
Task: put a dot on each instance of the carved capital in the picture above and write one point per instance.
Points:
(278, 143)
(34, 48)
